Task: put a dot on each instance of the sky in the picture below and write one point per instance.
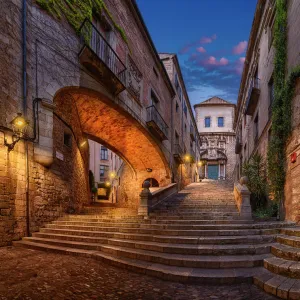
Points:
(209, 37)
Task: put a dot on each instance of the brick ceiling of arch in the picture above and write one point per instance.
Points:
(107, 123)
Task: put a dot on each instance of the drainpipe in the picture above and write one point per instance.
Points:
(24, 17)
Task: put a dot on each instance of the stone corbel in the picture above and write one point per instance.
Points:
(242, 198)
(43, 150)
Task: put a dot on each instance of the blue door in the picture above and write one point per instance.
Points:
(213, 171)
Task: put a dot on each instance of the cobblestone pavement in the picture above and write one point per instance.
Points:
(31, 274)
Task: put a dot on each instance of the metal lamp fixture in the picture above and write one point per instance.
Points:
(19, 125)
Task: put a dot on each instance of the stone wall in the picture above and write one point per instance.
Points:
(58, 173)
(262, 60)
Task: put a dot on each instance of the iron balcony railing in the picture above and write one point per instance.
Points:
(255, 84)
(154, 116)
(92, 38)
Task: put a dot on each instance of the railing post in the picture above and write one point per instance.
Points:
(145, 200)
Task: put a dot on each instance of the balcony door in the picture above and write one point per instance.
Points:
(103, 43)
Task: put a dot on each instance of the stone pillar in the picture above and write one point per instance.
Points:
(219, 177)
(242, 197)
(225, 171)
(145, 200)
(43, 151)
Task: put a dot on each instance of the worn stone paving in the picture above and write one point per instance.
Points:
(31, 274)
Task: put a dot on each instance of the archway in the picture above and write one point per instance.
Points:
(99, 118)
(153, 182)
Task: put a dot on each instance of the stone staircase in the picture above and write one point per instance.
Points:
(281, 276)
(196, 236)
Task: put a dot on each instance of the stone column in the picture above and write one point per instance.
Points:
(225, 171)
(145, 200)
(219, 176)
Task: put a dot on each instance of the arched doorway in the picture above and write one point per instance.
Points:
(153, 182)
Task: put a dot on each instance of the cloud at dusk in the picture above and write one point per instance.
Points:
(213, 61)
(201, 50)
(240, 47)
(240, 65)
(208, 40)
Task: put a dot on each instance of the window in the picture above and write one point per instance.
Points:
(67, 139)
(103, 153)
(176, 81)
(220, 121)
(255, 128)
(271, 96)
(155, 72)
(184, 127)
(177, 106)
(103, 172)
(271, 29)
(207, 122)
(185, 109)
(154, 99)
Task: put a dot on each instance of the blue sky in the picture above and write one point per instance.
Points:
(210, 38)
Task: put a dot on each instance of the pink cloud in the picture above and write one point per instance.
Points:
(239, 65)
(240, 47)
(214, 62)
(208, 39)
(201, 50)
(185, 49)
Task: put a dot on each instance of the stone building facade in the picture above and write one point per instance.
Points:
(107, 168)
(215, 118)
(185, 139)
(95, 81)
(256, 95)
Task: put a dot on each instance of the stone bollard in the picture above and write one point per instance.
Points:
(242, 197)
(145, 200)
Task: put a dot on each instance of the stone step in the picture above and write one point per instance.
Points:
(282, 267)
(165, 272)
(174, 226)
(95, 236)
(175, 210)
(286, 252)
(171, 232)
(292, 231)
(277, 285)
(153, 216)
(293, 241)
(181, 260)
(90, 219)
(162, 247)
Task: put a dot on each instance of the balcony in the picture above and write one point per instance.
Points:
(100, 59)
(178, 154)
(193, 155)
(238, 146)
(156, 123)
(253, 96)
(192, 132)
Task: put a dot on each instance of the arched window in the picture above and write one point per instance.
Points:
(153, 182)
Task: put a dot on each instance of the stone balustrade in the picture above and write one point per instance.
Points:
(242, 198)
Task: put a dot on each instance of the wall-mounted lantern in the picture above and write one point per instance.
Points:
(19, 125)
(187, 158)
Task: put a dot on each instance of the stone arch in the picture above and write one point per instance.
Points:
(153, 182)
(101, 119)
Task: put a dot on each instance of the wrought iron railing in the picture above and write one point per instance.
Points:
(154, 115)
(91, 37)
(255, 84)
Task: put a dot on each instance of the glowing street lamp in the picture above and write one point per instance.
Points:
(19, 125)
(112, 175)
(107, 183)
(187, 158)
(83, 143)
